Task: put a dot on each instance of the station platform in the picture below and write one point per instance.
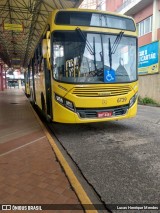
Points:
(29, 170)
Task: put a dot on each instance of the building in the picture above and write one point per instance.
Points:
(94, 4)
(146, 14)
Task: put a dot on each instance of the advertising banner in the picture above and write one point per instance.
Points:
(149, 59)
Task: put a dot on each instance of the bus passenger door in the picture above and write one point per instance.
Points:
(47, 74)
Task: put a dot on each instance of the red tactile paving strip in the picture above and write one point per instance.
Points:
(29, 172)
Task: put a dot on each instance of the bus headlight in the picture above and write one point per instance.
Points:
(133, 100)
(59, 99)
(69, 104)
(66, 103)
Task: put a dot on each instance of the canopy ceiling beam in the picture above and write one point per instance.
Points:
(32, 15)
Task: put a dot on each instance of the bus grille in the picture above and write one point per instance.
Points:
(92, 113)
(101, 91)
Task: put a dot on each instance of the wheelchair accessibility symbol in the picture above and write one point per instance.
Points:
(109, 76)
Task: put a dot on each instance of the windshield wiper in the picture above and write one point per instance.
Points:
(110, 53)
(113, 49)
(94, 53)
(116, 42)
(102, 52)
(88, 45)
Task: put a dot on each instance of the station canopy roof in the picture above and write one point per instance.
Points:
(22, 23)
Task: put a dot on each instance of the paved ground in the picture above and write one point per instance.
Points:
(29, 171)
(120, 159)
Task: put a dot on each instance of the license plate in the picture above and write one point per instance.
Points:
(104, 114)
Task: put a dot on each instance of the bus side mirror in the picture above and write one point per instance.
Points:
(49, 48)
(48, 34)
(44, 48)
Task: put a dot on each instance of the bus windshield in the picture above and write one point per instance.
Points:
(85, 57)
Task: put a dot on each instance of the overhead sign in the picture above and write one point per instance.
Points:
(16, 66)
(148, 59)
(16, 61)
(14, 27)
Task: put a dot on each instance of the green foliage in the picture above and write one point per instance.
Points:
(140, 100)
(146, 101)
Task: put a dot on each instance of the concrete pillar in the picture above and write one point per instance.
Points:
(5, 80)
(19, 83)
(155, 21)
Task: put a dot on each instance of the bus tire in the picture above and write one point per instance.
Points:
(43, 103)
(32, 98)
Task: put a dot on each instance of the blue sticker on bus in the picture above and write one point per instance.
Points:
(109, 76)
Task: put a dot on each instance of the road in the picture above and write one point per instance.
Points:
(120, 159)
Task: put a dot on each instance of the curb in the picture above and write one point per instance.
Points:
(80, 192)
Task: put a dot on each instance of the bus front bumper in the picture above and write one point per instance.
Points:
(64, 115)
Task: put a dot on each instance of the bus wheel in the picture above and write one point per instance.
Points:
(32, 98)
(43, 103)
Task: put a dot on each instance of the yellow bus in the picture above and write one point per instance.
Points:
(85, 67)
